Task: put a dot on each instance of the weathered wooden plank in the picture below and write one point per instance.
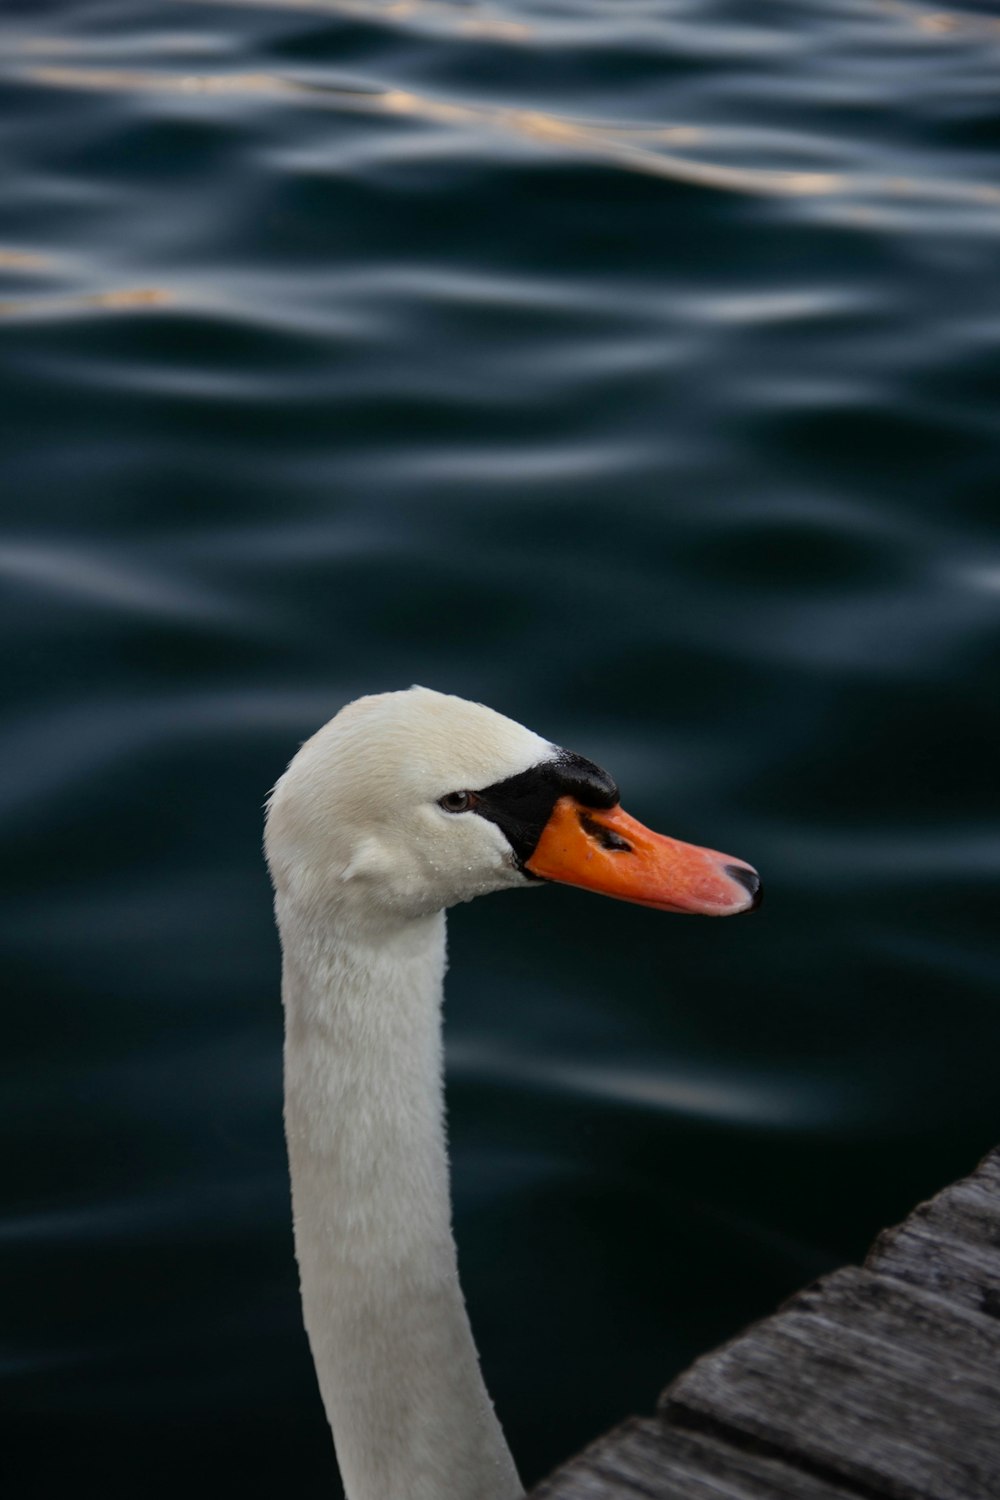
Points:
(865, 1380)
(951, 1245)
(643, 1458)
(874, 1384)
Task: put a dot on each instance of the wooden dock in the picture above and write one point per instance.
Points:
(879, 1382)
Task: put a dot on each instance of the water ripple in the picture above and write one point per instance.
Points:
(603, 142)
(800, 1102)
(107, 583)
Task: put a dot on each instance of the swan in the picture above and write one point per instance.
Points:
(404, 804)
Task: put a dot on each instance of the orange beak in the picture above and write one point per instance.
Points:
(605, 850)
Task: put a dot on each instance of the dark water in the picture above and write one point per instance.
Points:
(634, 369)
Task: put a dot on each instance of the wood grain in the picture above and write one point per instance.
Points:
(645, 1457)
(867, 1379)
(879, 1382)
(951, 1245)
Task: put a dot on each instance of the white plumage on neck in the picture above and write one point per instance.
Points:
(387, 1324)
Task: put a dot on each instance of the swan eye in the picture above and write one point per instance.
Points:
(457, 802)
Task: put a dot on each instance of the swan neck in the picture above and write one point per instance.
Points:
(364, 1117)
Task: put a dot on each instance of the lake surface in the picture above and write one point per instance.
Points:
(635, 370)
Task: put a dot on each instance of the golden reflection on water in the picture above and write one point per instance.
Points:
(619, 146)
(435, 13)
(23, 260)
(946, 24)
(443, 16)
(123, 299)
(134, 80)
(614, 145)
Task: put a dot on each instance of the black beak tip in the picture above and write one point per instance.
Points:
(749, 880)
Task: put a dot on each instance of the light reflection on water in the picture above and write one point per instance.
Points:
(881, 195)
(736, 1100)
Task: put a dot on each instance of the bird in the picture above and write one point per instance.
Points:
(404, 804)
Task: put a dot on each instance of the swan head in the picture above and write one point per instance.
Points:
(409, 802)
